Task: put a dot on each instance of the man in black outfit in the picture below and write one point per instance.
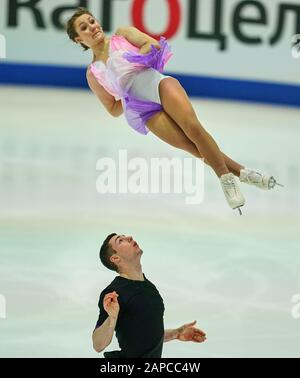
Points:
(132, 306)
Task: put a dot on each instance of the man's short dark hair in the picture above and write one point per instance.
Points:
(106, 251)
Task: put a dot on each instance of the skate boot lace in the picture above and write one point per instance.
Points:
(229, 184)
(254, 177)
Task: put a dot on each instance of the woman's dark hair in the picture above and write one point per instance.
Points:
(106, 251)
(70, 24)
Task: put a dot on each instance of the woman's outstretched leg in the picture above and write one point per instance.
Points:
(178, 106)
(206, 148)
(165, 128)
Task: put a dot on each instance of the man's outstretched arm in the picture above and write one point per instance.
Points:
(170, 334)
(187, 332)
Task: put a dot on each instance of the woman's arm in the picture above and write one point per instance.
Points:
(112, 106)
(117, 109)
(137, 38)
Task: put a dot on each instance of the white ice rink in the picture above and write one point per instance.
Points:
(237, 276)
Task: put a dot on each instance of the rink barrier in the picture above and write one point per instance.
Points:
(196, 86)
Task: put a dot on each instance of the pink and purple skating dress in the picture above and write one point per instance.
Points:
(134, 79)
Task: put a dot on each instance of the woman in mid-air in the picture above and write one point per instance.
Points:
(126, 76)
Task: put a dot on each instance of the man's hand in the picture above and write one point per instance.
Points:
(111, 304)
(188, 332)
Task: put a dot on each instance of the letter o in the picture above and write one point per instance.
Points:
(174, 18)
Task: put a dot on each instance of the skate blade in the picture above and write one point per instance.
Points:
(239, 209)
(273, 183)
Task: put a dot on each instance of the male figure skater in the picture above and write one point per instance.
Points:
(132, 306)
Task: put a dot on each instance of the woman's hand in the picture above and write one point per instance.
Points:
(111, 304)
(146, 48)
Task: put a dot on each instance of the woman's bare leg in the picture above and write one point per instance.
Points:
(177, 105)
(232, 165)
(165, 128)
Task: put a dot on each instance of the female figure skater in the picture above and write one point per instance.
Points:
(126, 76)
